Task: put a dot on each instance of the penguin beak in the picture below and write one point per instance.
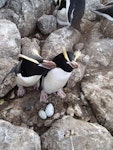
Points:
(48, 64)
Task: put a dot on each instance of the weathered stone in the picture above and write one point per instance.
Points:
(69, 133)
(30, 47)
(25, 13)
(2, 3)
(91, 5)
(47, 24)
(106, 27)
(64, 37)
(10, 39)
(17, 138)
(98, 90)
(10, 44)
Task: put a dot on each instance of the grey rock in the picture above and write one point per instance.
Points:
(64, 37)
(17, 138)
(106, 27)
(30, 47)
(100, 52)
(47, 24)
(69, 134)
(9, 49)
(2, 3)
(91, 5)
(98, 89)
(25, 13)
(10, 39)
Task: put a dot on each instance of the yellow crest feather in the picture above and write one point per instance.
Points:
(77, 55)
(65, 54)
(28, 58)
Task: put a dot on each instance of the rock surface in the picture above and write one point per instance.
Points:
(69, 133)
(47, 24)
(64, 37)
(17, 138)
(25, 13)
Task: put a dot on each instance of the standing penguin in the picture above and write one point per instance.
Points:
(56, 79)
(70, 12)
(106, 11)
(29, 70)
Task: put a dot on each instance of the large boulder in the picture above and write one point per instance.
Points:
(69, 133)
(24, 13)
(10, 45)
(17, 138)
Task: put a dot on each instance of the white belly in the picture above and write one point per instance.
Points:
(27, 81)
(55, 80)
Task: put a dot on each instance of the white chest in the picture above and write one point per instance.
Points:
(55, 80)
(27, 81)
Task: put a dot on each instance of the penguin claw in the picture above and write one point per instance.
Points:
(43, 96)
(21, 91)
(61, 93)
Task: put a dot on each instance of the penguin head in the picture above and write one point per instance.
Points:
(39, 61)
(66, 60)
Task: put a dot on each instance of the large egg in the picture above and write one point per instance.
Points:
(42, 114)
(49, 110)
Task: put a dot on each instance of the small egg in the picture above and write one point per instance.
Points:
(49, 110)
(42, 114)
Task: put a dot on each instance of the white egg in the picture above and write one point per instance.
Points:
(42, 114)
(49, 110)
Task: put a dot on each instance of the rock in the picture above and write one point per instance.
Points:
(9, 49)
(2, 3)
(9, 39)
(64, 37)
(14, 137)
(98, 89)
(25, 13)
(47, 24)
(69, 133)
(30, 46)
(91, 5)
(106, 27)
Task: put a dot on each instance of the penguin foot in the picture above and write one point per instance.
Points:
(21, 91)
(43, 96)
(61, 93)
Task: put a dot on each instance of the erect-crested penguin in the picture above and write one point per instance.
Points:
(70, 12)
(106, 11)
(29, 70)
(56, 78)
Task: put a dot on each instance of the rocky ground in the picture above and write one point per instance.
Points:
(82, 121)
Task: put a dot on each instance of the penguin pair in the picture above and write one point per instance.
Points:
(29, 71)
(70, 12)
(56, 78)
(106, 11)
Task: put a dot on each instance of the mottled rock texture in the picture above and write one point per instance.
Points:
(69, 133)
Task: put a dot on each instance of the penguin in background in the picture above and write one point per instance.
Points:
(56, 78)
(29, 70)
(106, 11)
(70, 12)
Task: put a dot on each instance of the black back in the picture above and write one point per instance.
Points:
(76, 8)
(62, 62)
(28, 68)
(62, 5)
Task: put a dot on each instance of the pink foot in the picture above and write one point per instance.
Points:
(21, 91)
(61, 93)
(43, 96)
